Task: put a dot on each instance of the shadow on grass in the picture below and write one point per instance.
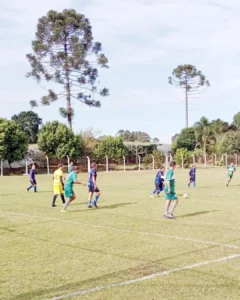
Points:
(105, 207)
(197, 214)
(7, 195)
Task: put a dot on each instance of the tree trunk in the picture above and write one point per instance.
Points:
(186, 104)
(69, 108)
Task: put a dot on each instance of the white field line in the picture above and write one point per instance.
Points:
(124, 230)
(151, 276)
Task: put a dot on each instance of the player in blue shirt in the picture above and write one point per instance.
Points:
(32, 179)
(92, 186)
(192, 175)
(159, 179)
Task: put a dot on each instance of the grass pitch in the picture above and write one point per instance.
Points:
(48, 255)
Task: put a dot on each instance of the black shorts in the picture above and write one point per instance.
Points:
(92, 190)
(33, 182)
(192, 179)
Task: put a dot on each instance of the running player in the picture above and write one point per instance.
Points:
(159, 179)
(231, 169)
(171, 197)
(92, 186)
(69, 193)
(58, 185)
(192, 175)
(32, 179)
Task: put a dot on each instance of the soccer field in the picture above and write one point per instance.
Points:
(124, 249)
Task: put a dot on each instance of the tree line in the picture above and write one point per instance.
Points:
(58, 141)
(208, 137)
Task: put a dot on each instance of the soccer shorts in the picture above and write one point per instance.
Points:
(230, 176)
(92, 190)
(58, 189)
(192, 179)
(69, 192)
(33, 182)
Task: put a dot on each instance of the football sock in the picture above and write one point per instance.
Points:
(35, 188)
(89, 203)
(194, 184)
(173, 206)
(63, 199)
(66, 204)
(166, 208)
(54, 199)
(30, 187)
(96, 199)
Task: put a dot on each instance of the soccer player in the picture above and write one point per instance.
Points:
(58, 185)
(171, 197)
(231, 169)
(159, 185)
(68, 188)
(92, 186)
(32, 179)
(192, 175)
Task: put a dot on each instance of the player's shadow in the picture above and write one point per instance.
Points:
(107, 207)
(205, 187)
(197, 214)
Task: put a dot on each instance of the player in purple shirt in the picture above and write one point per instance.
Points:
(32, 179)
(192, 175)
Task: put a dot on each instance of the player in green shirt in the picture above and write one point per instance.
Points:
(230, 170)
(171, 197)
(68, 188)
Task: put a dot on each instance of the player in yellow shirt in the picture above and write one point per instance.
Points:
(58, 185)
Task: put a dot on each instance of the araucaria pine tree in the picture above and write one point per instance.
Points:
(191, 80)
(65, 53)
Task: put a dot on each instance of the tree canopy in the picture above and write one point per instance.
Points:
(29, 122)
(64, 53)
(113, 147)
(134, 136)
(13, 141)
(191, 80)
(57, 140)
(186, 139)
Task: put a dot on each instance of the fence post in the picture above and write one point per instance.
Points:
(153, 162)
(68, 160)
(205, 160)
(215, 160)
(194, 161)
(226, 159)
(89, 167)
(124, 163)
(26, 167)
(182, 161)
(171, 158)
(236, 159)
(106, 163)
(166, 161)
(1, 167)
(47, 165)
(139, 162)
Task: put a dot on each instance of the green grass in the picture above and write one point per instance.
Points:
(44, 253)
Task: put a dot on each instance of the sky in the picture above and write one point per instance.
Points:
(144, 41)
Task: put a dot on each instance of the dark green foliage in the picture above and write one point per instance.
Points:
(64, 52)
(236, 120)
(219, 126)
(57, 140)
(13, 141)
(159, 158)
(29, 122)
(185, 154)
(186, 139)
(114, 148)
(231, 143)
(134, 136)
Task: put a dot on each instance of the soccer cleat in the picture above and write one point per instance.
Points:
(64, 211)
(95, 205)
(89, 206)
(151, 195)
(166, 217)
(27, 190)
(54, 205)
(171, 216)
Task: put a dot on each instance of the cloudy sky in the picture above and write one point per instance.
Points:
(144, 41)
